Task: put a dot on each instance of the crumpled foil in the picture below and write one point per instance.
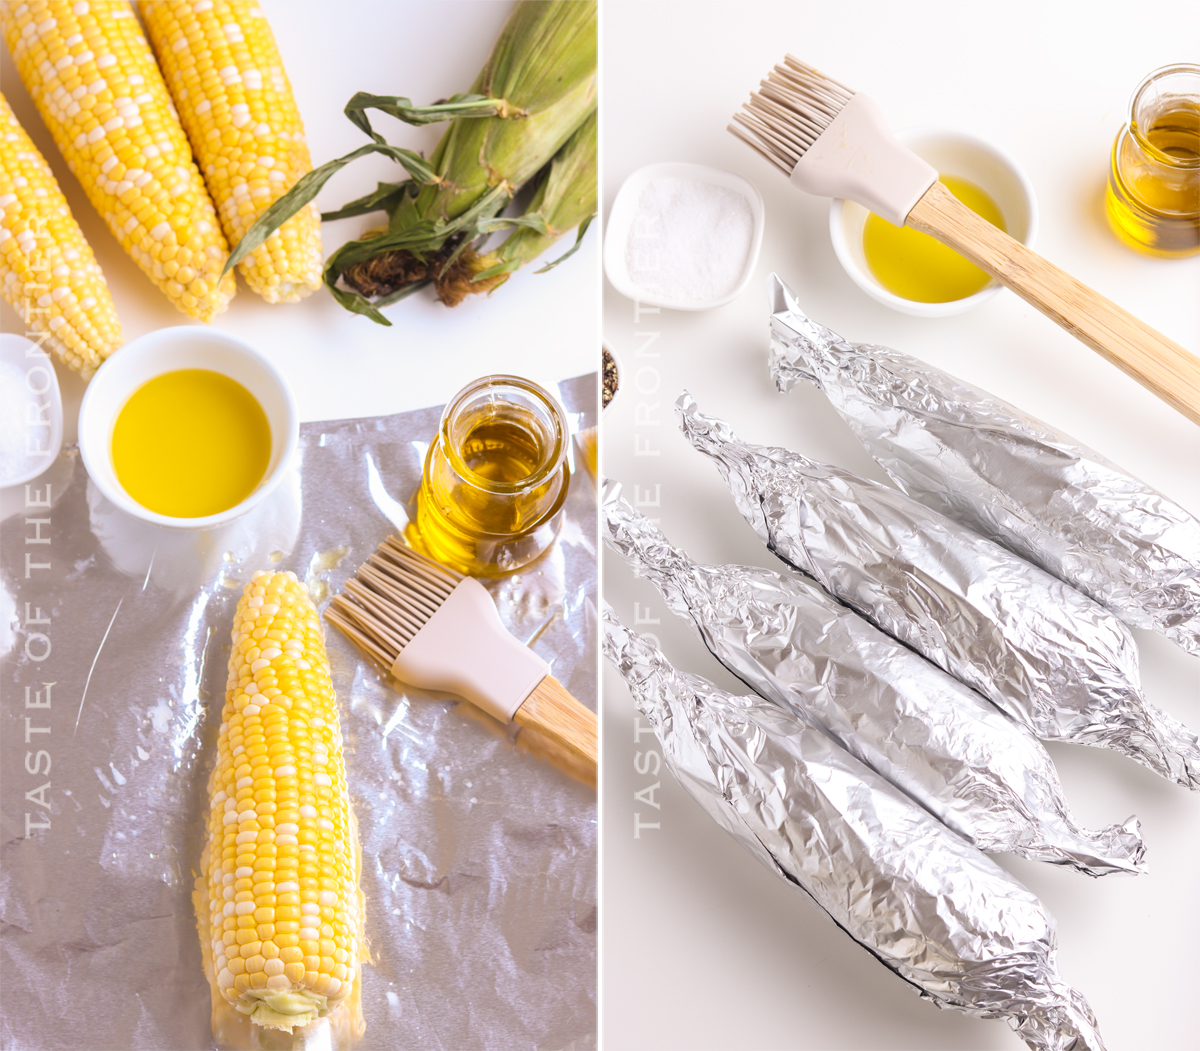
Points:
(1008, 476)
(920, 899)
(1041, 651)
(985, 776)
(479, 858)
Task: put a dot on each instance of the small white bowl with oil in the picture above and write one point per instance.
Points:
(201, 472)
(960, 156)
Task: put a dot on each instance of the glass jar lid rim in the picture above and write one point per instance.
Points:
(554, 457)
(1135, 127)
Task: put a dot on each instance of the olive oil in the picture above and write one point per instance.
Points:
(917, 267)
(1153, 197)
(191, 443)
(503, 449)
(495, 479)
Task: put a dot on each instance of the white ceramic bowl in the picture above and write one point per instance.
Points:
(41, 388)
(620, 223)
(951, 153)
(168, 349)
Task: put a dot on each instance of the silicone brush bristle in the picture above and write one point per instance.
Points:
(788, 113)
(390, 598)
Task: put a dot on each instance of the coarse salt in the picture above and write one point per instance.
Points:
(20, 435)
(689, 239)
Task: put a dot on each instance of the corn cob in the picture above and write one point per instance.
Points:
(280, 862)
(565, 199)
(225, 75)
(47, 268)
(94, 80)
(535, 91)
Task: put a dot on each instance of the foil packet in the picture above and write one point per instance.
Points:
(478, 856)
(1042, 652)
(1008, 476)
(985, 776)
(920, 899)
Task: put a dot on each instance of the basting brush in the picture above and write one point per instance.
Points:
(834, 142)
(435, 628)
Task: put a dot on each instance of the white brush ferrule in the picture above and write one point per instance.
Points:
(464, 649)
(858, 157)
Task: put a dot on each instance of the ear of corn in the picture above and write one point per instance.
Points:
(46, 267)
(537, 88)
(566, 199)
(94, 80)
(281, 855)
(544, 66)
(225, 75)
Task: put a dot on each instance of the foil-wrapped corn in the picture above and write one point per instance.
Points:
(1041, 651)
(1006, 475)
(921, 900)
(956, 754)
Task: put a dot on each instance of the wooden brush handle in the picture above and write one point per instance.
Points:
(1156, 362)
(555, 714)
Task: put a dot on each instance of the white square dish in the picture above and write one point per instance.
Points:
(623, 213)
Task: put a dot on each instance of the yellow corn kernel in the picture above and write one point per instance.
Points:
(47, 269)
(93, 78)
(224, 72)
(297, 916)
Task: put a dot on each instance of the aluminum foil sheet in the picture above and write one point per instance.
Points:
(479, 857)
(1044, 653)
(920, 899)
(948, 748)
(1012, 478)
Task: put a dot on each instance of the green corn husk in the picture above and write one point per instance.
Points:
(566, 198)
(537, 88)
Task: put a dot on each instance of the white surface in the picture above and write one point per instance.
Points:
(951, 153)
(541, 326)
(166, 350)
(623, 214)
(702, 947)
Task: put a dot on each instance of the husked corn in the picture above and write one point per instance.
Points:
(224, 72)
(281, 855)
(46, 266)
(92, 76)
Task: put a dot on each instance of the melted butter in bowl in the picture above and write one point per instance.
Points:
(187, 427)
(910, 271)
(915, 266)
(191, 443)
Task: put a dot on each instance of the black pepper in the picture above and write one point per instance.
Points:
(610, 379)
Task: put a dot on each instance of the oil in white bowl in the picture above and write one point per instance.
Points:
(191, 443)
(914, 266)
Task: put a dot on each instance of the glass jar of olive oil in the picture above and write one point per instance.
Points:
(495, 478)
(1153, 198)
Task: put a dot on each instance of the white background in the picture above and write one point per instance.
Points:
(704, 948)
(340, 365)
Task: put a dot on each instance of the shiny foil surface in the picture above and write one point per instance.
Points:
(1044, 653)
(479, 857)
(1014, 479)
(984, 775)
(919, 898)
